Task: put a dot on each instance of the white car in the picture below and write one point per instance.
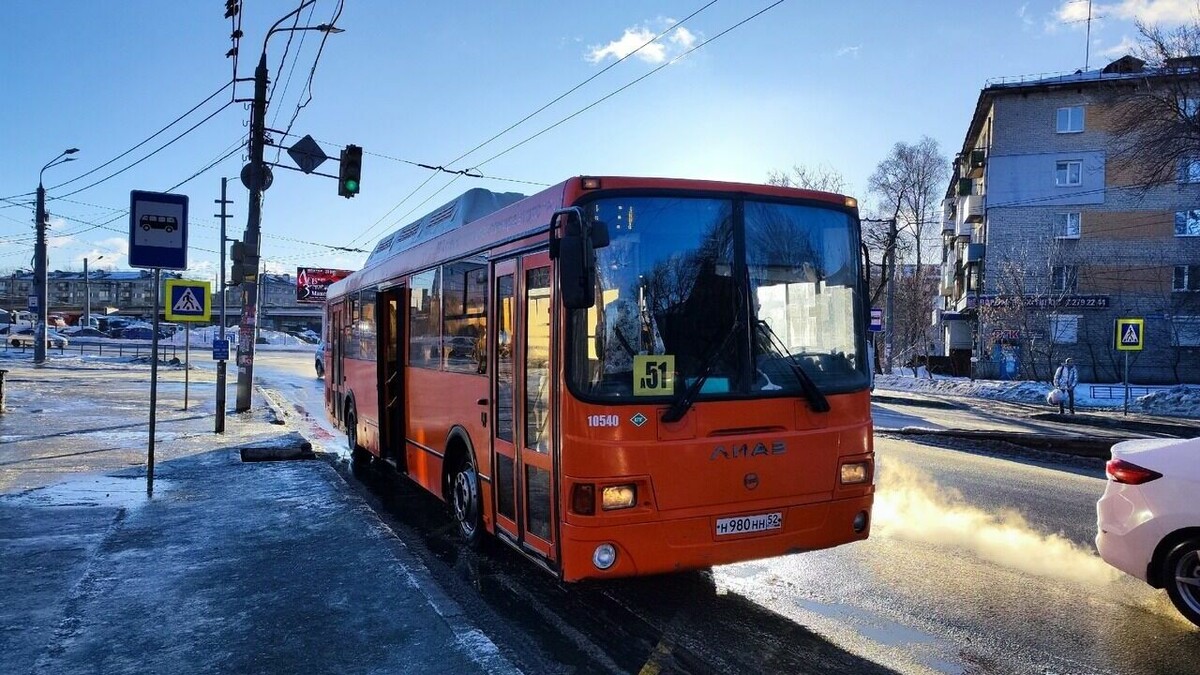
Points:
(1149, 517)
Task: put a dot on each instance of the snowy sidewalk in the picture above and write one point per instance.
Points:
(230, 566)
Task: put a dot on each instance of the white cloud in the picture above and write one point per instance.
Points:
(1148, 11)
(849, 51)
(671, 45)
(1127, 45)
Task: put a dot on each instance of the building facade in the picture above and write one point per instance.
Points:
(1049, 238)
(131, 293)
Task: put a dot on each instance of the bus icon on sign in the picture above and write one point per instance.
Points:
(165, 223)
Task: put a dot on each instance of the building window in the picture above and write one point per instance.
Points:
(1066, 225)
(1189, 171)
(1062, 278)
(1186, 278)
(1185, 331)
(1069, 120)
(1064, 329)
(1068, 173)
(1187, 223)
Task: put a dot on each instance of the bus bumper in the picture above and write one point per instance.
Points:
(676, 545)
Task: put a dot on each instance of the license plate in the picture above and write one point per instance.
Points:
(748, 524)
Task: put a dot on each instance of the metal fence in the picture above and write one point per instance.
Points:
(112, 348)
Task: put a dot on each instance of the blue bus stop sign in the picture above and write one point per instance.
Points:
(876, 325)
(157, 230)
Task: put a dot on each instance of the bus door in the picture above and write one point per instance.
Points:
(391, 375)
(336, 389)
(524, 467)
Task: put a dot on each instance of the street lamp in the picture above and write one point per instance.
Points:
(41, 261)
(87, 291)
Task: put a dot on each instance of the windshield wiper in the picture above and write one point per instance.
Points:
(816, 399)
(681, 405)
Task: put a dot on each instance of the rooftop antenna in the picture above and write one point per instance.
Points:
(1087, 48)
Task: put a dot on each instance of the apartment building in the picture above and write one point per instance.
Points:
(1050, 237)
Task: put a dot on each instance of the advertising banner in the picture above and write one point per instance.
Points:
(312, 283)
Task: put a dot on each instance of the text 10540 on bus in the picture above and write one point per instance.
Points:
(618, 376)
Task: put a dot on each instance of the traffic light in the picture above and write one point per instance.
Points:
(231, 8)
(237, 253)
(350, 172)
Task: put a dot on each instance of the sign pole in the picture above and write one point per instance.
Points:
(187, 361)
(153, 388)
(220, 421)
(1126, 383)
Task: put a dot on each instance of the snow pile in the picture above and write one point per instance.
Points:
(1167, 401)
(1182, 398)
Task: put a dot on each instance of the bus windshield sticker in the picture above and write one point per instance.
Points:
(653, 374)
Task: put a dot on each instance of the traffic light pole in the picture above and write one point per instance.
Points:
(251, 238)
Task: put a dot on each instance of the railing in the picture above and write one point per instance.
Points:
(113, 348)
(1118, 391)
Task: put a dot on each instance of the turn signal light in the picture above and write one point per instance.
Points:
(583, 499)
(615, 497)
(855, 472)
(1129, 473)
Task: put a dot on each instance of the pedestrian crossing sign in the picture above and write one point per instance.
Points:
(1130, 335)
(188, 300)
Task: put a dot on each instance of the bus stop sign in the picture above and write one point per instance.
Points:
(157, 230)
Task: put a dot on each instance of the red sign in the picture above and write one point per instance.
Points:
(312, 283)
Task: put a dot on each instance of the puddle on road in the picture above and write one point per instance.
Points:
(910, 505)
(111, 491)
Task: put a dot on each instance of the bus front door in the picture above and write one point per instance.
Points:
(391, 376)
(523, 475)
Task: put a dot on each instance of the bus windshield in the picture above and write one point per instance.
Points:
(729, 297)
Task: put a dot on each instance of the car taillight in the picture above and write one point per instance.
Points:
(1129, 473)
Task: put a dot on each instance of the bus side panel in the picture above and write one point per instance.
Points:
(362, 387)
(436, 402)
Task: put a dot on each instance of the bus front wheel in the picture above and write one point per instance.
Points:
(464, 503)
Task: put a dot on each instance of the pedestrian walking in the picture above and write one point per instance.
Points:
(1066, 378)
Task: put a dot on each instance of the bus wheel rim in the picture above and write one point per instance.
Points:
(464, 502)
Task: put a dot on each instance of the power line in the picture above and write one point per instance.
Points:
(527, 117)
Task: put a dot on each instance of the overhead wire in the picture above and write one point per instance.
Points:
(524, 119)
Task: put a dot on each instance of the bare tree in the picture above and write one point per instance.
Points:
(909, 183)
(820, 177)
(1156, 118)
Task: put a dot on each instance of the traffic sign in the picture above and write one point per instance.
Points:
(220, 350)
(876, 320)
(1130, 335)
(307, 154)
(157, 230)
(188, 300)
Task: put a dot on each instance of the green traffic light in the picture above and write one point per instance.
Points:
(351, 186)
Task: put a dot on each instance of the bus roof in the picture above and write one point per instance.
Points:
(469, 206)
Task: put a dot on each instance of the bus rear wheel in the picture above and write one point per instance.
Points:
(465, 503)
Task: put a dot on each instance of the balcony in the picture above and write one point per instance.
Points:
(964, 229)
(972, 208)
(946, 286)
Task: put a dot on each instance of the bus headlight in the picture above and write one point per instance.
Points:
(615, 497)
(855, 472)
(604, 556)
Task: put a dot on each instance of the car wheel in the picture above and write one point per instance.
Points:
(465, 503)
(1181, 573)
(320, 369)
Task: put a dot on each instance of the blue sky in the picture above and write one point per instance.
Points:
(833, 84)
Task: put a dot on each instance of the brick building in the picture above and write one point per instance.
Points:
(1048, 239)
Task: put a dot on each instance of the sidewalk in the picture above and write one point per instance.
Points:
(230, 566)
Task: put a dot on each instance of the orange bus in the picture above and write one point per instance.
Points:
(618, 376)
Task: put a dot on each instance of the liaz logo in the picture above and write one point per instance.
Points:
(747, 450)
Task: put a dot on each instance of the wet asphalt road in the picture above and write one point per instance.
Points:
(979, 562)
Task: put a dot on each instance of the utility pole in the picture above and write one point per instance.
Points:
(41, 261)
(891, 299)
(223, 201)
(253, 175)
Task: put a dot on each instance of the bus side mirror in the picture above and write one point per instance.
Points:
(572, 249)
